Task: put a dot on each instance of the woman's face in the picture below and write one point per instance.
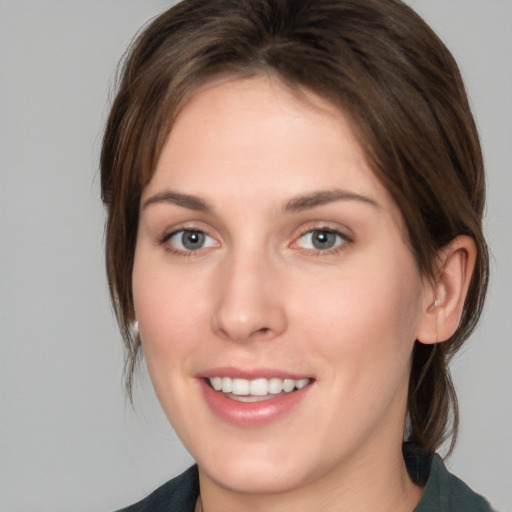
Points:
(270, 258)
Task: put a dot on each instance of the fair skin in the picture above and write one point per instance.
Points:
(267, 248)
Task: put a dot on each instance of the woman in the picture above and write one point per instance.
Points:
(295, 193)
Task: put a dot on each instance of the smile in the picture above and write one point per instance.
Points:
(253, 402)
(246, 390)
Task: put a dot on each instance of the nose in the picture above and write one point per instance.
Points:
(249, 304)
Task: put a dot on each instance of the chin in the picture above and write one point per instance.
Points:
(262, 468)
(255, 476)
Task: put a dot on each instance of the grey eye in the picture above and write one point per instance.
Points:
(191, 240)
(320, 240)
(323, 239)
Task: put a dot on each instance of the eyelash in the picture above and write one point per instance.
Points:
(341, 243)
(165, 241)
(343, 239)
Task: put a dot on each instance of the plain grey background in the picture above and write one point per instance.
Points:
(68, 442)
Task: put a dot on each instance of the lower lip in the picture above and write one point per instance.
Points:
(251, 414)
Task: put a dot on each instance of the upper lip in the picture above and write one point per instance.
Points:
(250, 373)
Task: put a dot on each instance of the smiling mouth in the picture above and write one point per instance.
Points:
(245, 390)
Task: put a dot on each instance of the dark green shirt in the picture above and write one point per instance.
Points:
(443, 492)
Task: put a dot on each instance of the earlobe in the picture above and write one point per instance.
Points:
(444, 302)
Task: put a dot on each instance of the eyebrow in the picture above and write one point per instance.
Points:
(321, 197)
(183, 200)
(295, 204)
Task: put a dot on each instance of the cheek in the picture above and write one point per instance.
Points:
(166, 308)
(365, 315)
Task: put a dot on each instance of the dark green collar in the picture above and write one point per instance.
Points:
(443, 491)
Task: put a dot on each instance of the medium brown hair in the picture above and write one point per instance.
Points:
(380, 63)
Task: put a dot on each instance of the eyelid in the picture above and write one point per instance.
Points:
(326, 227)
(184, 249)
(188, 225)
(165, 239)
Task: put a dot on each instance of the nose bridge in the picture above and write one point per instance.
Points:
(248, 301)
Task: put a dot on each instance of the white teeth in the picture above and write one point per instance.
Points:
(301, 383)
(240, 387)
(227, 385)
(216, 383)
(275, 386)
(288, 385)
(256, 387)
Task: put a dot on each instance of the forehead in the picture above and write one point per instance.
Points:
(261, 137)
(229, 115)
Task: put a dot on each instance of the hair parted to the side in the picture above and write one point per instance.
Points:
(382, 66)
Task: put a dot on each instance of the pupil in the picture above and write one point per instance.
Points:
(192, 239)
(324, 240)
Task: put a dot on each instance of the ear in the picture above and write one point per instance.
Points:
(444, 299)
